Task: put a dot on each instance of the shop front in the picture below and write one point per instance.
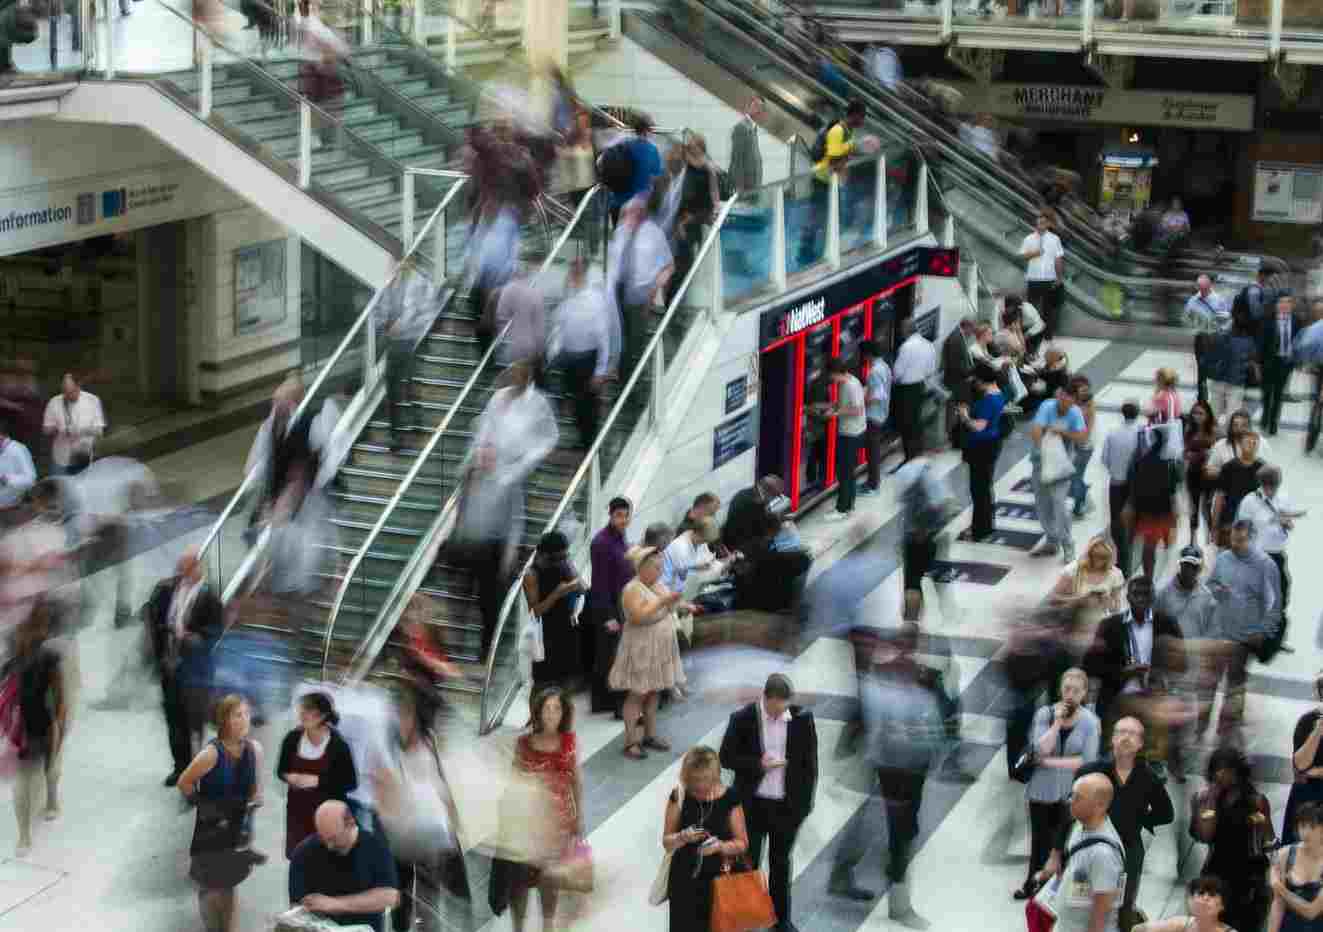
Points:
(797, 340)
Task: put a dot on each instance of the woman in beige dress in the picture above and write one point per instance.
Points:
(648, 659)
(1094, 587)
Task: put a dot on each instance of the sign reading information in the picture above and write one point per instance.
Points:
(1074, 104)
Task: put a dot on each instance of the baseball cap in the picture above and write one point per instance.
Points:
(1192, 554)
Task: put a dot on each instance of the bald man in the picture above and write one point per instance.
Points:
(1087, 892)
(343, 873)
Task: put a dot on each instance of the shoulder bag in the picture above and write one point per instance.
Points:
(660, 891)
(740, 900)
(1057, 465)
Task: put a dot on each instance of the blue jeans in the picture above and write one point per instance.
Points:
(1079, 490)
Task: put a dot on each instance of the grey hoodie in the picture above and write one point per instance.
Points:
(1248, 594)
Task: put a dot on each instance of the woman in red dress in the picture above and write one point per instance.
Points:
(316, 763)
(549, 751)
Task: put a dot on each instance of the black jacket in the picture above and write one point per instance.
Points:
(205, 619)
(340, 778)
(1142, 804)
(1107, 657)
(957, 365)
(1270, 341)
(746, 516)
(742, 752)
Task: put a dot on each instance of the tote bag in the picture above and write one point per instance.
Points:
(740, 901)
(660, 890)
(1057, 466)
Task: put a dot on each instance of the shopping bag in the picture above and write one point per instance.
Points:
(1015, 384)
(574, 872)
(740, 901)
(1057, 465)
(537, 647)
(1173, 439)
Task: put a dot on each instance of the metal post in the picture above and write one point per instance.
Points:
(921, 201)
(948, 232)
(439, 260)
(1086, 25)
(365, 34)
(1275, 28)
(947, 18)
(658, 363)
(594, 488)
(779, 238)
(451, 42)
(406, 212)
(880, 212)
(614, 13)
(833, 256)
(110, 40)
(370, 348)
(718, 301)
(418, 6)
(305, 144)
(204, 79)
(971, 283)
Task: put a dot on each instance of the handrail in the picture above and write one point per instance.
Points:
(604, 431)
(426, 452)
(331, 363)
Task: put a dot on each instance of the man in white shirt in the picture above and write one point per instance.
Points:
(73, 420)
(851, 423)
(877, 405)
(1273, 518)
(916, 362)
(17, 474)
(1206, 313)
(1045, 270)
(585, 330)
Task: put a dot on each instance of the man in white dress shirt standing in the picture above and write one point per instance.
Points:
(17, 474)
(73, 420)
(1045, 270)
(916, 362)
(1206, 313)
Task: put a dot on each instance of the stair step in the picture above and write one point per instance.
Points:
(367, 189)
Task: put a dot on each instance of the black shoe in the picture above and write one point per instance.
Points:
(173, 779)
(843, 885)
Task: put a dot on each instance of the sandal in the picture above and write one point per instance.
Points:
(635, 751)
(657, 744)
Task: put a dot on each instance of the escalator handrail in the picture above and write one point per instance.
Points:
(478, 371)
(604, 431)
(327, 367)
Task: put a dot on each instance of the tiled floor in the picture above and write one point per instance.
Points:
(116, 859)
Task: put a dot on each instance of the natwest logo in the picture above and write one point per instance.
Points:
(806, 315)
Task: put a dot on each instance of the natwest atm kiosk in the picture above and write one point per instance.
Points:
(796, 340)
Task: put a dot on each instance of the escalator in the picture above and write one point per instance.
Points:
(734, 51)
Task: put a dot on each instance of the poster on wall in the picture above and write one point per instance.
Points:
(734, 437)
(1287, 193)
(259, 287)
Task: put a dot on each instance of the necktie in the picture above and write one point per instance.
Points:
(1284, 328)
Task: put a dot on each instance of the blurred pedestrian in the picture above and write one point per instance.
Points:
(640, 266)
(553, 589)
(521, 315)
(746, 159)
(17, 472)
(74, 420)
(1234, 819)
(611, 571)
(585, 347)
(317, 765)
(837, 147)
(184, 618)
(224, 781)
(699, 202)
(41, 686)
(648, 659)
(1118, 458)
(704, 825)
(1233, 355)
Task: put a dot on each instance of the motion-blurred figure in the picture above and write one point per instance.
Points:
(641, 266)
(184, 618)
(585, 346)
(282, 451)
(106, 501)
(22, 406)
(513, 435)
(17, 472)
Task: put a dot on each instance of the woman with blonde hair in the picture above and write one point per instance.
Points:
(1094, 585)
(225, 782)
(703, 826)
(648, 659)
(1165, 405)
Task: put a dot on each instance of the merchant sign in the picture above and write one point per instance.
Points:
(1074, 104)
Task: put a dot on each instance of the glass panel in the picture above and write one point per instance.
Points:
(746, 246)
(902, 194)
(858, 192)
(805, 223)
(47, 39)
(1183, 17)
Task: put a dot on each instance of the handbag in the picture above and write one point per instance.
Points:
(740, 900)
(1015, 384)
(1057, 465)
(573, 872)
(1024, 767)
(661, 884)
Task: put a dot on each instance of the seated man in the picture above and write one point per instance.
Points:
(745, 516)
(343, 873)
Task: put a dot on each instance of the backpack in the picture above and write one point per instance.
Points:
(819, 150)
(615, 168)
(1152, 482)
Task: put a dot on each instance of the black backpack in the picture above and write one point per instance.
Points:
(1152, 482)
(615, 168)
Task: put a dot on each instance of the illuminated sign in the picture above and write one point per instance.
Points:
(806, 315)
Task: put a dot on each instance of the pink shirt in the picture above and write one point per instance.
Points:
(773, 785)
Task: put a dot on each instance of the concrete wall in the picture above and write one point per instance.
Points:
(630, 76)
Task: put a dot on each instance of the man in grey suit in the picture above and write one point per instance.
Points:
(746, 161)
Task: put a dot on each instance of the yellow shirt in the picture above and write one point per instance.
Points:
(840, 144)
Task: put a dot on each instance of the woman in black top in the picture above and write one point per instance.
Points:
(1307, 763)
(551, 587)
(704, 825)
(1238, 478)
(1234, 819)
(699, 200)
(44, 715)
(316, 763)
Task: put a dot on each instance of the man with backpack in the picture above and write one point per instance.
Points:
(831, 151)
(627, 167)
(1086, 891)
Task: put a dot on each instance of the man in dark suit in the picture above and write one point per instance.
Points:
(957, 366)
(773, 748)
(1275, 338)
(184, 618)
(1135, 654)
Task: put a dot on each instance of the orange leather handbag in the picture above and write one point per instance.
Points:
(740, 901)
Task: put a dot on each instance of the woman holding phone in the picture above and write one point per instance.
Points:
(553, 588)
